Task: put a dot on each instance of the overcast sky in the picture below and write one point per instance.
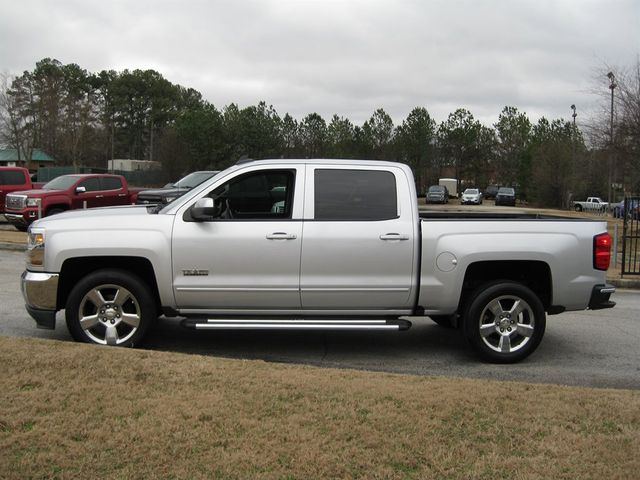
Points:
(345, 57)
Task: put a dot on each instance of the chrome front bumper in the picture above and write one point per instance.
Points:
(40, 292)
(15, 219)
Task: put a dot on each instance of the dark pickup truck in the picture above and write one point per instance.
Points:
(172, 191)
(67, 192)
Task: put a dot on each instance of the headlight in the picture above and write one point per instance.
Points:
(35, 246)
(33, 202)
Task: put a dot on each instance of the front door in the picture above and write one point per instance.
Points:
(90, 198)
(248, 256)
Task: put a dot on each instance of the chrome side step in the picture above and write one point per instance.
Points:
(294, 324)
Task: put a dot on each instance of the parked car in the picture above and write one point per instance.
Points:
(490, 192)
(593, 204)
(67, 192)
(437, 194)
(471, 196)
(221, 257)
(506, 196)
(14, 179)
(174, 190)
(618, 209)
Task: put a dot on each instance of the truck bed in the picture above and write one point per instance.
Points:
(464, 215)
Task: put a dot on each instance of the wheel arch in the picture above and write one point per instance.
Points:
(74, 269)
(534, 274)
(56, 206)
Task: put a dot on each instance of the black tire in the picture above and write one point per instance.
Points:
(110, 318)
(22, 228)
(444, 321)
(504, 322)
(578, 208)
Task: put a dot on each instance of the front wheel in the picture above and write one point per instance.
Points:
(504, 322)
(110, 307)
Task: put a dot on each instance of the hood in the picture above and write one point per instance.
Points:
(36, 192)
(91, 215)
(163, 192)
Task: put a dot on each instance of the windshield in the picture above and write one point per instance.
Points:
(193, 179)
(61, 183)
(436, 189)
(507, 191)
(471, 191)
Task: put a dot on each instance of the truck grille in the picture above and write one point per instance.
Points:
(15, 202)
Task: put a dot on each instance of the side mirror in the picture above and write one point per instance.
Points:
(205, 209)
(80, 190)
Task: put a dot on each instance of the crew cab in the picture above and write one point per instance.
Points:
(592, 204)
(313, 245)
(67, 192)
(13, 179)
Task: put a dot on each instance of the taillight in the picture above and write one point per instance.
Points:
(601, 251)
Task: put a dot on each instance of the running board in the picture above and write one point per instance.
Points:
(294, 324)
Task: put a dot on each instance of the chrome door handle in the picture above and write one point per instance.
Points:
(281, 236)
(394, 236)
(99, 196)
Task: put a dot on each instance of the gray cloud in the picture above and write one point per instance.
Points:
(344, 57)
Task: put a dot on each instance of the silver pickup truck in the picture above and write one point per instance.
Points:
(317, 245)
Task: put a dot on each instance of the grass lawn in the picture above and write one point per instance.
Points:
(76, 411)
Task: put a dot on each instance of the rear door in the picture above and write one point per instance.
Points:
(112, 192)
(359, 245)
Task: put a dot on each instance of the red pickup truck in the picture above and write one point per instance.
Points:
(67, 192)
(13, 179)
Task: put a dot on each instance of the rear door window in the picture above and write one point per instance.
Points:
(355, 195)
(111, 183)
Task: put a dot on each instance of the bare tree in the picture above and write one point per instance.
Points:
(14, 127)
(622, 142)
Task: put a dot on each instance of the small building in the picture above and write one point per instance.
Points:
(130, 165)
(39, 159)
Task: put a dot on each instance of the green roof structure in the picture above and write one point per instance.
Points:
(11, 155)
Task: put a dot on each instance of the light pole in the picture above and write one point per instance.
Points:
(612, 86)
(573, 153)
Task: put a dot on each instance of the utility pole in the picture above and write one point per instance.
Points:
(567, 197)
(612, 86)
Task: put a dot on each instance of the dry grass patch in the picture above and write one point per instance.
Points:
(76, 411)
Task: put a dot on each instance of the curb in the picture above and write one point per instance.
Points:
(12, 246)
(631, 283)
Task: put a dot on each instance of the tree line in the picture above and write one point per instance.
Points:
(84, 118)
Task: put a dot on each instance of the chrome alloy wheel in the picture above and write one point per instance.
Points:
(109, 314)
(507, 324)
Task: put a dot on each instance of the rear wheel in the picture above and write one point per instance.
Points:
(504, 322)
(110, 307)
(578, 208)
